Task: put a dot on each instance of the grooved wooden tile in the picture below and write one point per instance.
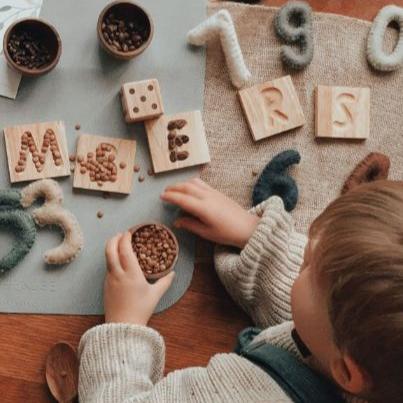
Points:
(342, 112)
(271, 108)
(124, 152)
(194, 146)
(42, 160)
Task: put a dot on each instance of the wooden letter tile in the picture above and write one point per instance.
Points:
(104, 164)
(141, 100)
(37, 151)
(342, 112)
(271, 108)
(177, 141)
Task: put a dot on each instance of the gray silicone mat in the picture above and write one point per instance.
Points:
(84, 89)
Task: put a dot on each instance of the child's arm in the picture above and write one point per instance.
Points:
(260, 276)
(124, 357)
(123, 360)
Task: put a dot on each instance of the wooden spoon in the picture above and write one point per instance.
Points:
(62, 372)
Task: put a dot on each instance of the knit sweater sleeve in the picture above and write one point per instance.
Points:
(260, 277)
(118, 360)
(122, 363)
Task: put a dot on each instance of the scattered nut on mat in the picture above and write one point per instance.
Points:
(100, 214)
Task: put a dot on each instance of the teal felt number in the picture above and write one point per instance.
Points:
(20, 223)
(293, 24)
(275, 180)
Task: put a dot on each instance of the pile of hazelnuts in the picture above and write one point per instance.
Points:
(155, 248)
(100, 166)
(122, 35)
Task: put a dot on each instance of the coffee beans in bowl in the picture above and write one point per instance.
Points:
(32, 46)
(124, 29)
(156, 248)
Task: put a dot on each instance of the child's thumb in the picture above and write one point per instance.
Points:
(164, 283)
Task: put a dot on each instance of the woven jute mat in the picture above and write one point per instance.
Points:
(339, 60)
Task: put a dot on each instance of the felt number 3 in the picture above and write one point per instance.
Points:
(293, 24)
(22, 223)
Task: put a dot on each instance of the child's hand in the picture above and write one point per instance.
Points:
(128, 297)
(215, 216)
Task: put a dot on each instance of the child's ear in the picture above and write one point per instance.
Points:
(348, 374)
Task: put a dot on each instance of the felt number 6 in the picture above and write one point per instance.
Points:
(293, 24)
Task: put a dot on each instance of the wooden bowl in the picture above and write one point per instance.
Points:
(129, 12)
(157, 276)
(46, 33)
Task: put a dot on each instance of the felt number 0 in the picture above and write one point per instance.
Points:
(377, 57)
(293, 24)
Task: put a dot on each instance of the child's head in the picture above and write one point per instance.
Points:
(348, 300)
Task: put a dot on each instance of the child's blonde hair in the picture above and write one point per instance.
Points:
(359, 253)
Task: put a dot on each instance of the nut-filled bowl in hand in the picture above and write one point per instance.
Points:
(156, 247)
(124, 29)
(32, 46)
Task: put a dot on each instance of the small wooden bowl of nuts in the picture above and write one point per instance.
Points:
(124, 29)
(157, 249)
(32, 46)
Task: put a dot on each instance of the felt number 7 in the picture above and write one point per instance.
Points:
(293, 24)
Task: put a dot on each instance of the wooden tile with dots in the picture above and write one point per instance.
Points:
(141, 100)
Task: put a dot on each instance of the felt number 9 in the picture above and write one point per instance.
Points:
(377, 57)
(293, 24)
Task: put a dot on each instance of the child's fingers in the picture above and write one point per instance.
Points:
(200, 183)
(192, 225)
(188, 188)
(112, 255)
(128, 259)
(162, 285)
(188, 203)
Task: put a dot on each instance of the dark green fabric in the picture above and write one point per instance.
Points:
(301, 383)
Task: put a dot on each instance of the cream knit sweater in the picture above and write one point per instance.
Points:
(125, 363)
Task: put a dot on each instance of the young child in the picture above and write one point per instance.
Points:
(333, 301)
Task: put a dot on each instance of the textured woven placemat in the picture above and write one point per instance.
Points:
(339, 60)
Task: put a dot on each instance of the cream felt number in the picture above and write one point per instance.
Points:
(376, 55)
(21, 223)
(52, 213)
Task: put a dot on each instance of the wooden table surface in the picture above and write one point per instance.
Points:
(204, 322)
